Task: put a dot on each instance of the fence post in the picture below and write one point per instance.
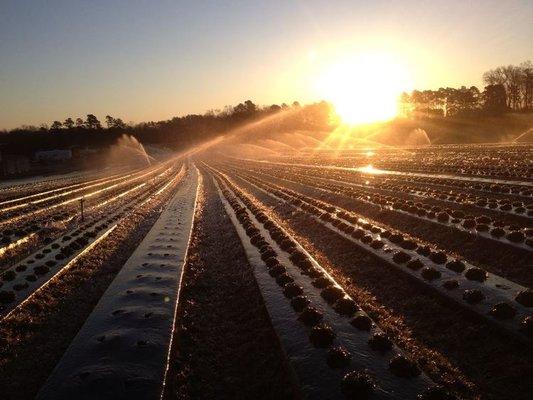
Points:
(82, 200)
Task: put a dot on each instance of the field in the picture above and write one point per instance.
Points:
(380, 273)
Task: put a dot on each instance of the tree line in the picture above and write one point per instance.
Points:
(177, 132)
(91, 122)
(508, 88)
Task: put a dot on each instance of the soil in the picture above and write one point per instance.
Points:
(448, 343)
(46, 324)
(224, 345)
(499, 258)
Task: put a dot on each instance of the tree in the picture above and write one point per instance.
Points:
(69, 123)
(110, 121)
(462, 101)
(511, 78)
(250, 106)
(274, 108)
(244, 110)
(118, 123)
(513, 75)
(429, 102)
(527, 84)
(92, 122)
(56, 126)
(405, 104)
(80, 123)
(495, 99)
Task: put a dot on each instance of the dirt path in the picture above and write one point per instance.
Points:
(224, 345)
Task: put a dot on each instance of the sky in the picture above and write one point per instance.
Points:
(152, 60)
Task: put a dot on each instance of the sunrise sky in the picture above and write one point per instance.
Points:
(151, 60)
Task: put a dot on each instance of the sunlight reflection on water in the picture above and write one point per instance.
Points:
(369, 169)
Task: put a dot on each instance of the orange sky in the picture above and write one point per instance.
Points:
(153, 60)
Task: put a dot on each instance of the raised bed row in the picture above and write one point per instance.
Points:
(34, 185)
(489, 185)
(14, 233)
(503, 208)
(500, 205)
(15, 213)
(334, 348)
(478, 169)
(501, 301)
(503, 205)
(481, 226)
(121, 352)
(483, 187)
(38, 195)
(25, 278)
(487, 163)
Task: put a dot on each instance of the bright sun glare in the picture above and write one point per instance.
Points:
(364, 88)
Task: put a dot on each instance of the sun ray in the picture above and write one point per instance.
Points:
(364, 88)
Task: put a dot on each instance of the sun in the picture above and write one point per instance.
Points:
(364, 88)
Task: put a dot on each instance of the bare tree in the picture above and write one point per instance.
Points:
(516, 80)
(527, 84)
